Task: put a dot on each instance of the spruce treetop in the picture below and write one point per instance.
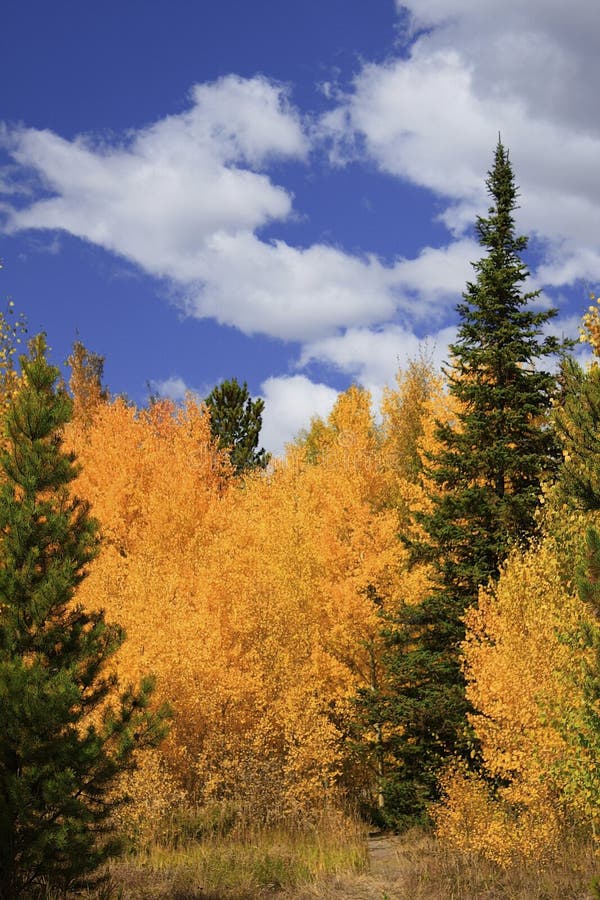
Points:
(485, 476)
(235, 422)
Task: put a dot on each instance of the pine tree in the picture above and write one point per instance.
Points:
(486, 474)
(64, 734)
(235, 421)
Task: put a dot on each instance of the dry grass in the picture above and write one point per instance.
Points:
(214, 859)
(418, 868)
(208, 855)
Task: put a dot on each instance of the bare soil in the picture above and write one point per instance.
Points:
(385, 880)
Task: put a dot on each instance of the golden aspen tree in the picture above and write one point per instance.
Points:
(518, 667)
(12, 330)
(303, 546)
(252, 599)
(152, 476)
(85, 383)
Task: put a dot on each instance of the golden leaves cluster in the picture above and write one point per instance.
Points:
(519, 665)
(255, 600)
(590, 326)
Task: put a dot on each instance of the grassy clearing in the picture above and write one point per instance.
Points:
(423, 870)
(212, 855)
(202, 857)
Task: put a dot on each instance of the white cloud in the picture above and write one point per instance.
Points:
(527, 70)
(424, 120)
(301, 294)
(286, 292)
(157, 199)
(172, 388)
(290, 403)
(437, 274)
(372, 357)
(179, 200)
(544, 51)
(565, 265)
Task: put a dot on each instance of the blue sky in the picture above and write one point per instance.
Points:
(284, 192)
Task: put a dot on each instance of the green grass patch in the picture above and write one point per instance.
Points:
(199, 855)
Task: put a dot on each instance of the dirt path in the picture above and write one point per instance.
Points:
(384, 855)
(384, 881)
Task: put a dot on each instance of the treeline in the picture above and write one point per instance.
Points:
(400, 615)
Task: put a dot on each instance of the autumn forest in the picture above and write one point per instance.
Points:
(394, 627)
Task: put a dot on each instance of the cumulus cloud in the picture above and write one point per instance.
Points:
(372, 356)
(564, 266)
(157, 198)
(527, 70)
(290, 403)
(286, 292)
(184, 199)
(301, 294)
(543, 51)
(172, 388)
(422, 119)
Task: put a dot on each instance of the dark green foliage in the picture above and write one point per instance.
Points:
(235, 421)
(587, 734)
(61, 741)
(487, 474)
(577, 419)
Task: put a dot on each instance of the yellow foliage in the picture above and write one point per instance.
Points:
(12, 331)
(152, 479)
(408, 410)
(519, 666)
(151, 792)
(86, 382)
(471, 821)
(304, 550)
(590, 328)
(254, 601)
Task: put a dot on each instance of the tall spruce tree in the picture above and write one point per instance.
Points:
(487, 474)
(64, 734)
(235, 421)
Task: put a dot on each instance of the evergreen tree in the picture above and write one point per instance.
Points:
(235, 421)
(487, 474)
(577, 419)
(64, 735)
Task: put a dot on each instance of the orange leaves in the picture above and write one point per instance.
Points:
(86, 383)
(148, 473)
(590, 330)
(254, 601)
(153, 478)
(519, 665)
(11, 334)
